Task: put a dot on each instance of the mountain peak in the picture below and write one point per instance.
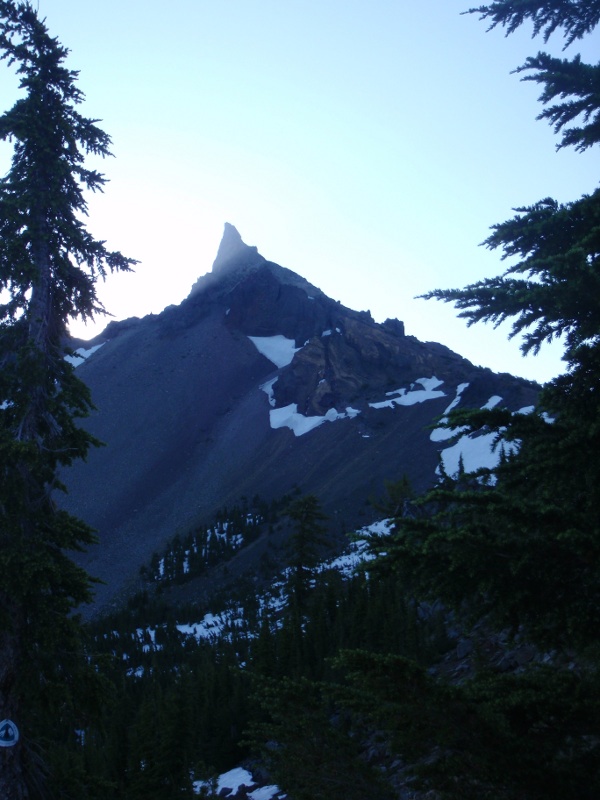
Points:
(237, 260)
(234, 253)
(201, 405)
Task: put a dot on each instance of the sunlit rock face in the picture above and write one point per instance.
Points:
(257, 383)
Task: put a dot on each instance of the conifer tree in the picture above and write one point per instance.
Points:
(303, 546)
(49, 266)
(518, 550)
(549, 488)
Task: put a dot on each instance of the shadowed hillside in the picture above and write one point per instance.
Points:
(257, 383)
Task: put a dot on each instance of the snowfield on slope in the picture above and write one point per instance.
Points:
(277, 349)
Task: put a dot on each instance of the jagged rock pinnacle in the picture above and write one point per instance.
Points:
(233, 253)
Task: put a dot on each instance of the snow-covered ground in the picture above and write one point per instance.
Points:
(280, 351)
(288, 417)
(476, 452)
(277, 349)
(473, 450)
(234, 780)
(232, 619)
(211, 624)
(81, 354)
(411, 395)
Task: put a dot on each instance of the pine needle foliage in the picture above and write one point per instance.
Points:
(551, 290)
(49, 265)
(515, 551)
(304, 546)
(575, 83)
(575, 18)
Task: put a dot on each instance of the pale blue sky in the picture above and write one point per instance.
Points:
(367, 145)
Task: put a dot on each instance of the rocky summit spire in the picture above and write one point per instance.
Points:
(234, 254)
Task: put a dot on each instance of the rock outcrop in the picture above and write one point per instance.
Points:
(257, 383)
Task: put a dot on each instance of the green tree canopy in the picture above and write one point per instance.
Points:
(516, 550)
(574, 84)
(306, 539)
(49, 266)
(551, 287)
(574, 18)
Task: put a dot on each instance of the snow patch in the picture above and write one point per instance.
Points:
(443, 434)
(81, 354)
(268, 388)
(412, 396)
(526, 410)
(288, 417)
(358, 553)
(429, 384)
(233, 780)
(481, 451)
(277, 349)
(492, 402)
(264, 793)
(530, 409)
(459, 390)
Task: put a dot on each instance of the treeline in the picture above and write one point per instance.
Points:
(179, 707)
(350, 687)
(189, 555)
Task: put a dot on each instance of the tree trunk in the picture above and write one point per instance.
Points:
(14, 777)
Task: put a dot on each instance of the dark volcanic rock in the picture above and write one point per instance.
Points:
(194, 416)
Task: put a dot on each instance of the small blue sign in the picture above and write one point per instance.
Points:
(9, 733)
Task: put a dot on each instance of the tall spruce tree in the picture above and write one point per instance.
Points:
(518, 551)
(546, 500)
(308, 535)
(49, 266)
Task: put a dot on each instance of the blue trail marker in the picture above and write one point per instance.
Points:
(9, 733)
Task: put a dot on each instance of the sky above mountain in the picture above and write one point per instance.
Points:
(367, 146)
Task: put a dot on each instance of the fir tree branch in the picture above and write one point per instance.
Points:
(575, 18)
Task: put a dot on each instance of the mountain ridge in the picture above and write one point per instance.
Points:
(194, 415)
